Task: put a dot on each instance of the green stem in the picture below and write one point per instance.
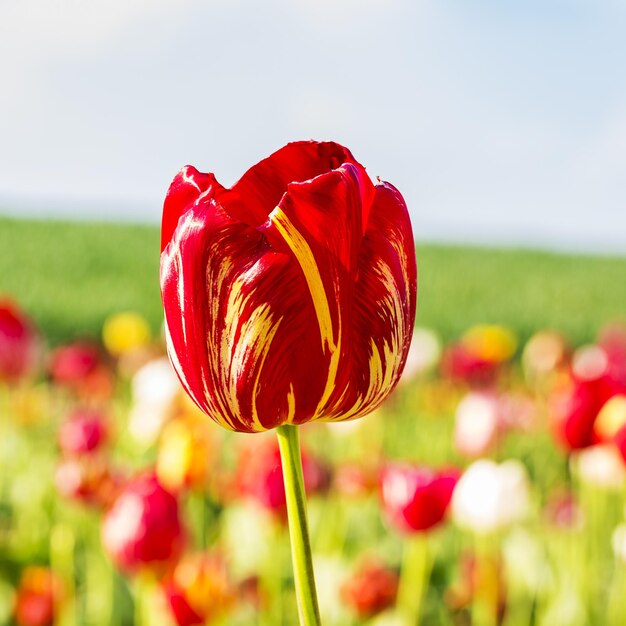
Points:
(289, 443)
(414, 575)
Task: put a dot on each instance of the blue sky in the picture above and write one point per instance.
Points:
(501, 122)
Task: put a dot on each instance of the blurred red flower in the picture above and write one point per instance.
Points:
(38, 597)
(291, 296)
(199, 590)
(371, 589)
(259, 474)
(414, 498)
(83, 432)
(19, 342)
(143, 526)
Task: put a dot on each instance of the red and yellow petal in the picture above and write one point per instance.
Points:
(383, 308)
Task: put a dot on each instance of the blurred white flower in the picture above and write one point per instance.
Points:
(600, 465)
(154, 389)
(424, 354)
(476, 425)
(491, 496)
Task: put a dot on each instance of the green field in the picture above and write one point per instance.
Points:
(70, 276)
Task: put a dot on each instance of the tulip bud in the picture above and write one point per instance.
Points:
(416, 499)
(143, 526)
(19, 343)
(289, 297)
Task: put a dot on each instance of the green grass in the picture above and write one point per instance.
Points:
(70, 276)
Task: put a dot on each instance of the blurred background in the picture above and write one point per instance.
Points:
(500, 122)
(490, 488)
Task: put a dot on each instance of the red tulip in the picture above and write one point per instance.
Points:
(260, 475)
(575, 410)
(461, 365)
(289, 297)
(19, 344)
(72, 363)
(199, 590)
(38, 597)
(416, 499)
(372, 589)
(82, 433)
(143, 526)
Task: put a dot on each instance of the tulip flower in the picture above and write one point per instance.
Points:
(416, 499)
(185, 452)
(291, 296)
(478, 356)
(19, 343)
(82, 433)
(78, 366)
(143, 527)
(199, 590)
(371, 589)
(38, 597)
(491, 496)
(288, 298)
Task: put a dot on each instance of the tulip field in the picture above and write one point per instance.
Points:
(488, 489)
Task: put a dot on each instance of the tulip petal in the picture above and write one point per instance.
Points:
(260, 189)
(320, 223)
(383, 310)
(185, 189)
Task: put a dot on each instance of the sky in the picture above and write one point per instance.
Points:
(501, 122)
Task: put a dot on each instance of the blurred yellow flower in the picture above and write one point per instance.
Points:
(124, 332)
(490, 342)
(184, 453)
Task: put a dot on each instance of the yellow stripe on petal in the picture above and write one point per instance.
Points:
(302, 251)
(304, 255)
